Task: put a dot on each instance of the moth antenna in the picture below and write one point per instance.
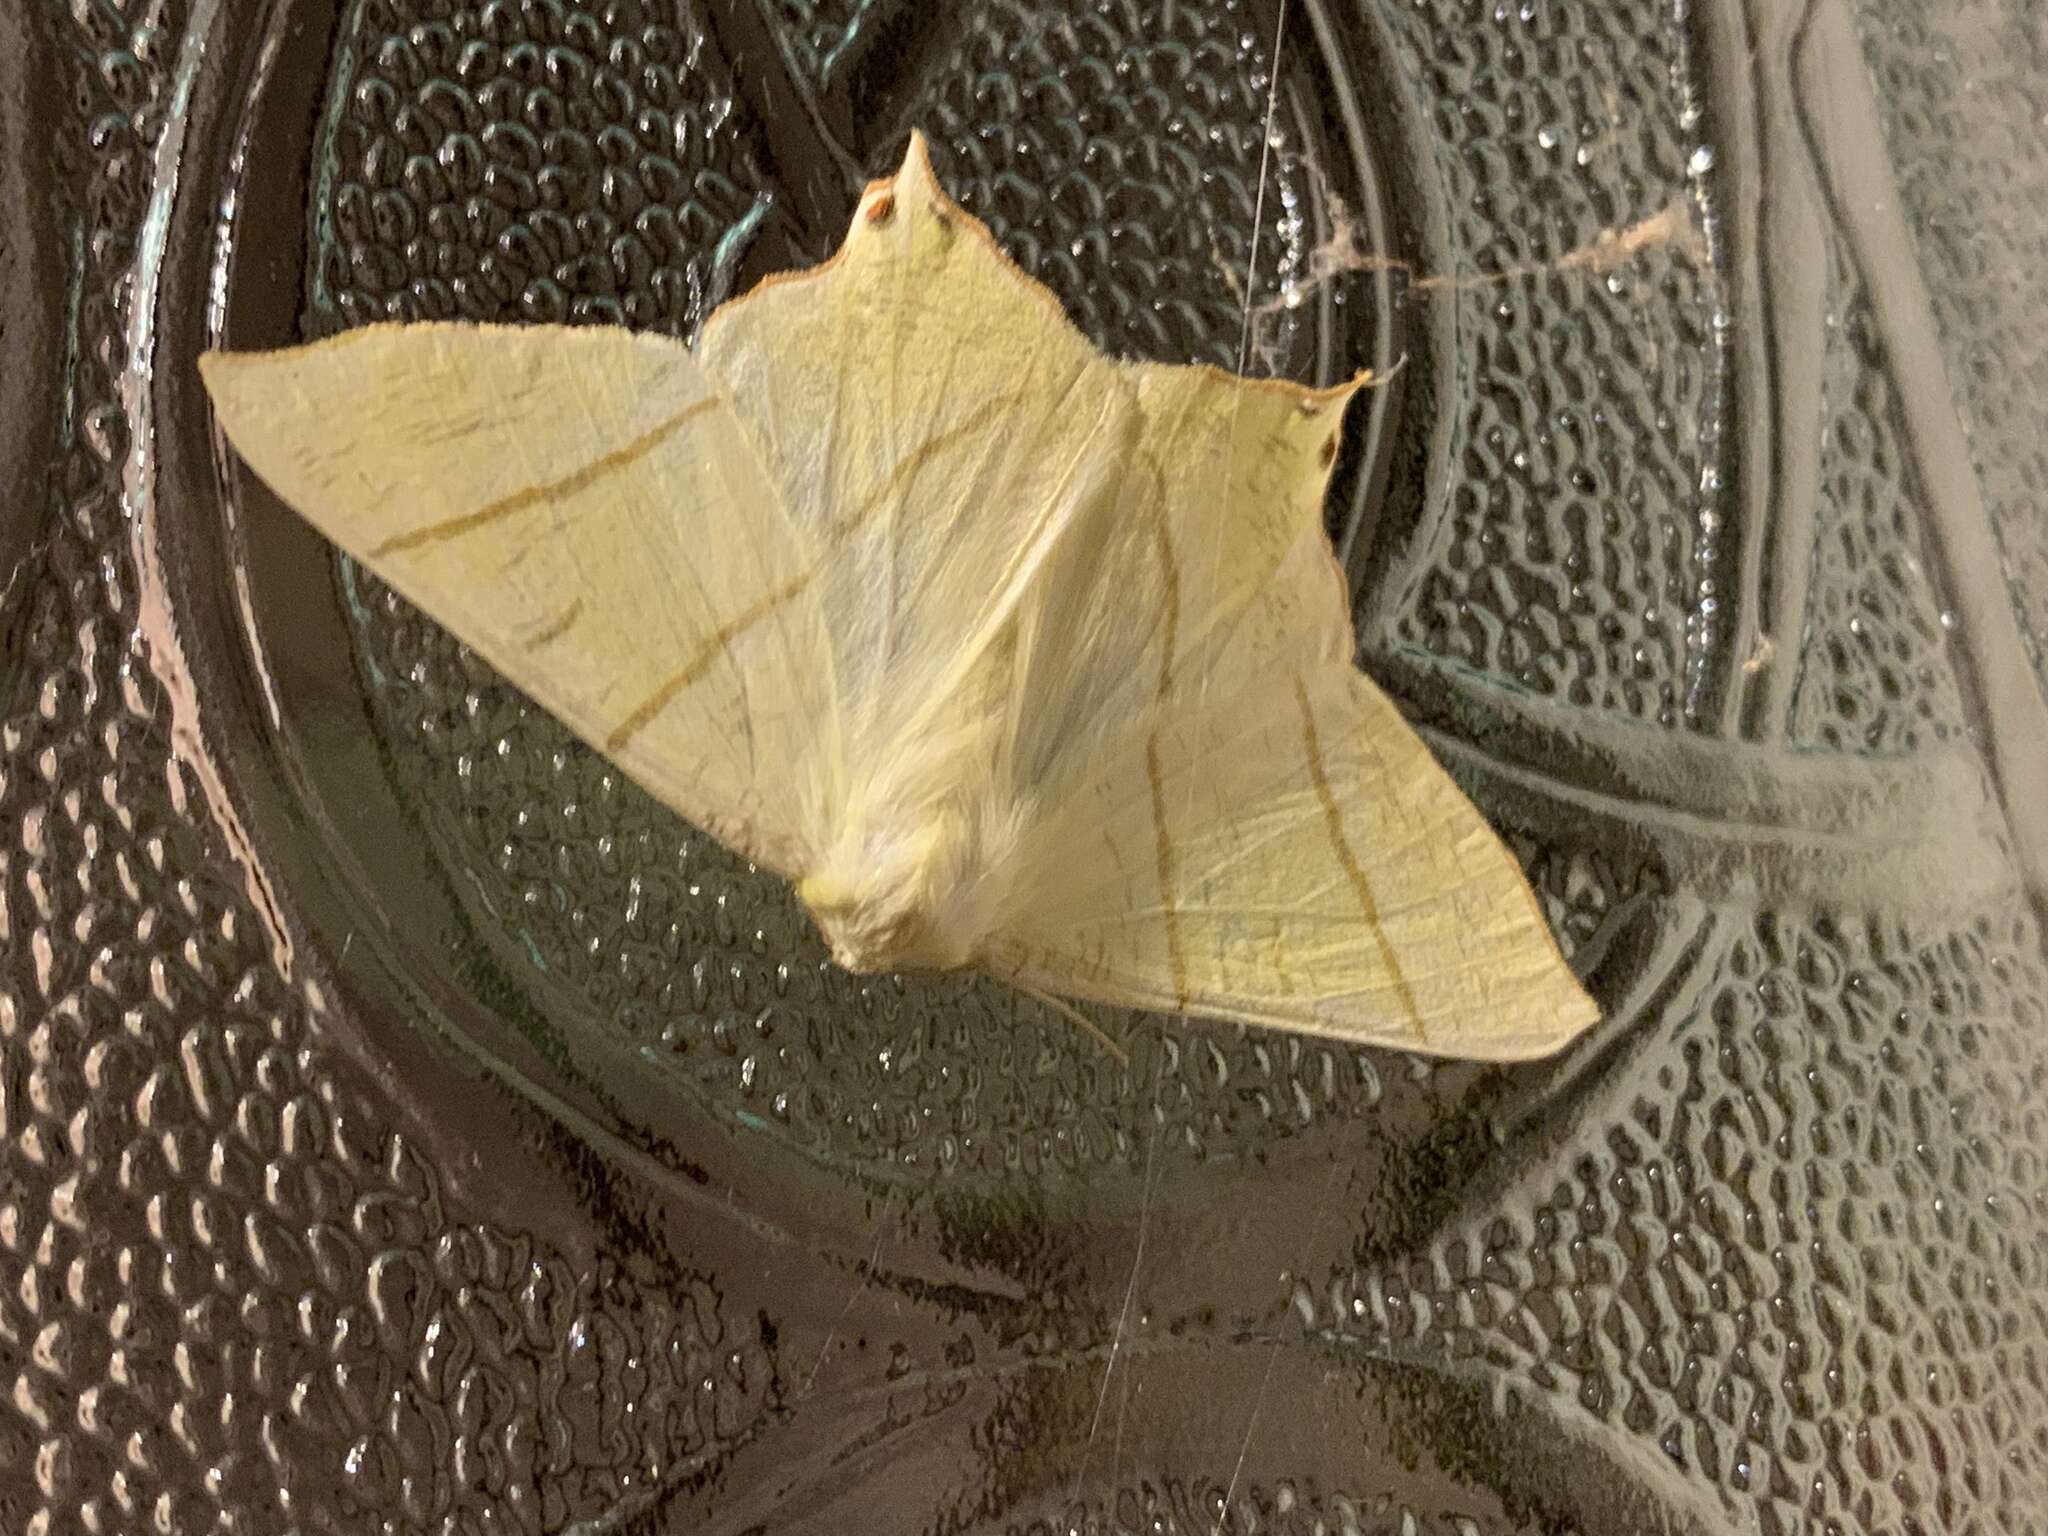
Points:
(1074, 1014)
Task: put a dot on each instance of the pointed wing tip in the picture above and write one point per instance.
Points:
(1344, 391)
(217, 369)
(226, 376)
(1572, 1016)
(917, 155)
(1530, 1020)
(915, 184)
(1580, 1015)
(241, 386)
(1314, 400)
(917, 180)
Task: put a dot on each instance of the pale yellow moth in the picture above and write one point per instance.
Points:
(1010, 654)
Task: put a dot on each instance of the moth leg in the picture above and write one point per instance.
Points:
(1075, 1015)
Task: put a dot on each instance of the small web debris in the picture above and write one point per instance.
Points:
(1672, 227)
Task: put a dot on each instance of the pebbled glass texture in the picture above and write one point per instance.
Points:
(1576, 555)
(1872, 680)
(406, 1126)
(1960, 93)
(821, 35)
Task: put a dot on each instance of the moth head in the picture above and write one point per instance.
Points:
(897, 899)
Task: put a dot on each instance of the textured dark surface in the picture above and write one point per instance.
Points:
(822, 34)
(1574, 555)
(1871, 675)
(1962, 89)
(529, 163)
(406, 1126)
